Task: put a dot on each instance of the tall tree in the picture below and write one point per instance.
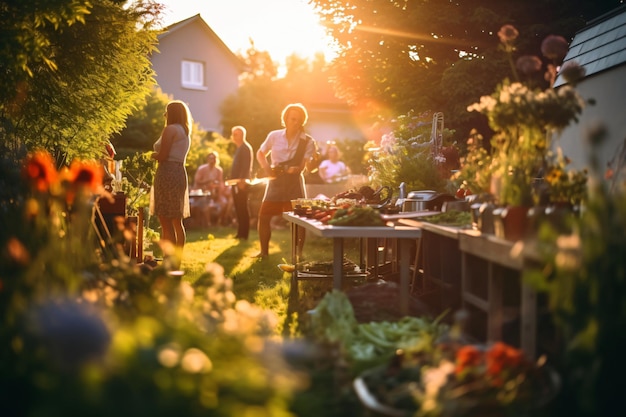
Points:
(258, 103)
(398, 55)
(74, 71)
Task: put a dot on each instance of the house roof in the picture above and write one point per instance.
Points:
(197, 18)
(600, 45)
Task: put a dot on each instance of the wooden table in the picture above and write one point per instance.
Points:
(403, 234)
(489, 261)
(501, 260)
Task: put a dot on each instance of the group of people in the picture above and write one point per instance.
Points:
(284, 156)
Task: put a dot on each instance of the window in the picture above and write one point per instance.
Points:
(192, 74)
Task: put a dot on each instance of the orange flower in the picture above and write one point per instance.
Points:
(467, 356)
(17, 251)
(87, 174)
(40, 170)
(82, 176)
(502, 356)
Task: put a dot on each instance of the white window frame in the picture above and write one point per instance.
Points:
(192, 74)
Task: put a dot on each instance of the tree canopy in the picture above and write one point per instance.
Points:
(73, 70)
(402, 55)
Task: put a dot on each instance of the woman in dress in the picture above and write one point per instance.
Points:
(171, 196)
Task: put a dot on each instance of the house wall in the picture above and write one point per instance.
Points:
(608, 89)
(221, 77)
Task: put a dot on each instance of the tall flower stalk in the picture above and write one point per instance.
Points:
(524, 120)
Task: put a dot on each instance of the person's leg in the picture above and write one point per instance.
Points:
(180, 233)
(244, 216)
(240, 201)
(167, 229)
(265, 233)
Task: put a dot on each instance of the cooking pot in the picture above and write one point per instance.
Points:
(426, 200)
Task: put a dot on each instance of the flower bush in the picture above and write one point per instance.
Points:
(89, 332)
(475, 172)
(524, 119)
(563, 185)
(472, 379)
(406, 155)
(452, 379)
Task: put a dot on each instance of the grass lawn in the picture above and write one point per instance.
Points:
(260, 281)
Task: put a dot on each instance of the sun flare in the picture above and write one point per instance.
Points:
(280, 27)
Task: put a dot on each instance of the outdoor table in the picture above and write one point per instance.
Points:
(403, 234)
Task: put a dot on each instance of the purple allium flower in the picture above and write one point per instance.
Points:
(528, 64)
(554, 47)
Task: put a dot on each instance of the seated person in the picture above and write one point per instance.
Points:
(332, 169)
(210, 177)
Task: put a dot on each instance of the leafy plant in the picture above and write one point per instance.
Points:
(92, 335)
(523, 119)
(74, 72)
(584, 276)
(406, 155)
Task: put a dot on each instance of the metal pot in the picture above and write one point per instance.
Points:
(412, 204)
(458, 205)
(426, 200)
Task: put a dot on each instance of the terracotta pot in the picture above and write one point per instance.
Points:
(511, 223)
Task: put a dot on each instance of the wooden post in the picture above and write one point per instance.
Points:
(140, 219)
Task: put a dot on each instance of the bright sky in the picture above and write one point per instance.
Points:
(281, 27)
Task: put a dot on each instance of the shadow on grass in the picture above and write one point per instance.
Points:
(258, 281)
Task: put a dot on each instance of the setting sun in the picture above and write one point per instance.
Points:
(281, 27)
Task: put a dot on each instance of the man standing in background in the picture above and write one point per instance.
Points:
(241, 171)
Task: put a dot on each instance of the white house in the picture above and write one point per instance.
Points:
(600, 48)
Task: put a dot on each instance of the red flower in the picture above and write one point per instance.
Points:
(502, 356)
(467, 356)
(40, 170)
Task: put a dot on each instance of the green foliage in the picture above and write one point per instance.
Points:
(523, 118)
(81, 70)
(137, 177)
(353, 154)
(585, 279)
(88, 335)
(202, 143)
(399, 55)
(258, 102)
(475, 171)
(405, 155)
(143, 126)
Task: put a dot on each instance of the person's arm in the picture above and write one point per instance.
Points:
(312, 156)
(167, 138)
(261, 158)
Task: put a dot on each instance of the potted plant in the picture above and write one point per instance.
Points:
(524, 120)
